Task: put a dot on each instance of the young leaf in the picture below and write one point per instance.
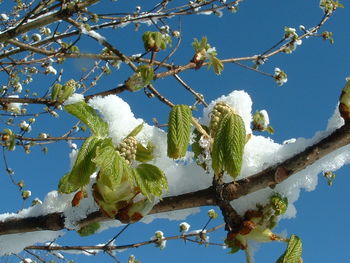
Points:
(154, 41)
(147, 73)
(344, 101)
(83, 167)
(89, 229)
(217, 65)
(89, 116)
(293, 252)
(231, 244)
(67, 91)
(144, 154)
(111, 200)
(199, 46)
(112, 166)
(179, 128)
(150, 179)
(65, 187)
(136, 130)
(229, 141)
(56, 90)
(135, 82)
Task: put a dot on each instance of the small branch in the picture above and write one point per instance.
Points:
(117, 235)
(111, 248)
(105, 43)
(253, 69)
(35, 255)
(160, 97)
(44, 20)
(63, 138)
(196, 94)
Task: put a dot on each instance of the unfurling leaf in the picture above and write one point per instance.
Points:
(89, 229)
(155, 41)
(150, 179)
(135, 82)
(279, 203)
(179, 128)
(56, 89)
(144, 154)
(64, 186)
(136, 130)
(112, 166)
(228, 147)
(110, 200)
(344, 101)
(88, 116)
(293, 252)
(83, 167)
(217, 65)
(61, 93)
(199, 46)
(147, 73)
(231, 244)
(9, 139)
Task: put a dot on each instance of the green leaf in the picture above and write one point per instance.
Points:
(199, 46)
(11, 143)
(144, 154)
(136, 130)
(112, 166)
(65, 187)
(150, 179)
(56, 90)
(135, 82)
(67, 91)
(279, 203)
(147, 73)
(179, 128)
(270, 129)
(228, 146)
(231, 244)
(83, 167)
(293, 252)
(344, 101)
(154, 41)
(217, 65)
(88, 116)
(89, 229)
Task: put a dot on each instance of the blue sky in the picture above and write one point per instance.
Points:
(316, 74)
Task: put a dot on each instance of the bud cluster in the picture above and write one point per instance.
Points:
(127, 149)
(219, 111)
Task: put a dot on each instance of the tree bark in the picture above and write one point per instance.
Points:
(206, 197)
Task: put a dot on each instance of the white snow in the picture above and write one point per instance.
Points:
(14, 107)
(15, 243)
(185, 176)
(93, 34)
(74, 98)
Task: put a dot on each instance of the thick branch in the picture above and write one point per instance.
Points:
(266, 178)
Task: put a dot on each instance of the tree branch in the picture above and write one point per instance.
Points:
(44, 20)
(266, 178)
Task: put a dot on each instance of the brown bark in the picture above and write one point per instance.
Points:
(266, 178)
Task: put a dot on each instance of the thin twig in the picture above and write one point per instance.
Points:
(117, 235)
